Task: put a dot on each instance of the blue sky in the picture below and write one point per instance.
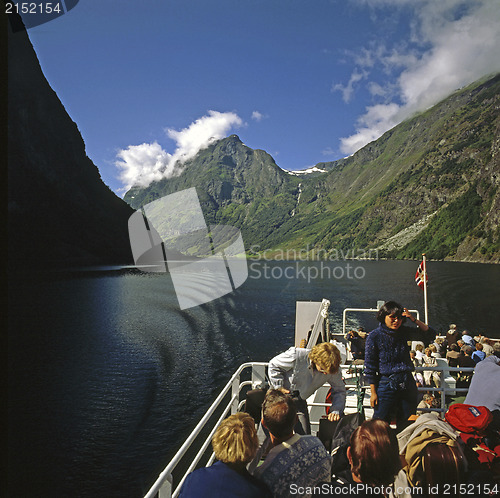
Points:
(150, 82)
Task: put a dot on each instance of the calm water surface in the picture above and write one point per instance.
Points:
(108, 376)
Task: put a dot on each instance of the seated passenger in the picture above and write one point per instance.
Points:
(465, 360)
(452, 355)
(374, 460)
(435, 352)
(419, 351)
(440, 344)
(487, 345)
(430, 375)
(478, 355)
(357, 344)
(426, 403)
(301, 461)
(419, 379)
(235, 443)
(467, 338)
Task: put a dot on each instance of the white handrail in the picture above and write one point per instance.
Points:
(164, 481)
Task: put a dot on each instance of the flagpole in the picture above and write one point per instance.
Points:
(425, 289)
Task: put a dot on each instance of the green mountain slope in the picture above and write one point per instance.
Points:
(428, 185)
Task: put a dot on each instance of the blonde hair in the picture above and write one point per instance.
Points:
(326, 356)
(235, 440)
(433, 348)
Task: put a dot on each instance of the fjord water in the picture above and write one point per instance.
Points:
(107, 376)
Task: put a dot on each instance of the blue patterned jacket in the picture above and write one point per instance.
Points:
(388, 352)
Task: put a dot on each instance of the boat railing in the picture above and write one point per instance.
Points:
(163, 486)
(447, 386)
(231, 398)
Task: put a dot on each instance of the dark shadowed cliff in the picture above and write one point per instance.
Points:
(60, 212)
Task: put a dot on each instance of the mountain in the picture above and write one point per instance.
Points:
(428, 185)
(60, 212)
(236, 186)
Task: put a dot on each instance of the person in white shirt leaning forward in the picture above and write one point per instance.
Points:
(301, 372)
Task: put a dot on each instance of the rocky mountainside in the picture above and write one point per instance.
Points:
(60, 211)
(428, 185)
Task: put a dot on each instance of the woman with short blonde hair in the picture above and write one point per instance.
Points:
(235, 443)
(235, 440)
(326, 357)
(301, 372)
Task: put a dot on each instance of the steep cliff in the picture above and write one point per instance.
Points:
(59, 211)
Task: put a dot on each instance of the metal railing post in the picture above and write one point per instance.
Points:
(235, 391)
(166, 488)
(258, 375)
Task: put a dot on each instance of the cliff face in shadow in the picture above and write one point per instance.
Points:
(60, 213)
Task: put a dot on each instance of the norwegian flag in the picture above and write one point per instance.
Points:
(419, 276)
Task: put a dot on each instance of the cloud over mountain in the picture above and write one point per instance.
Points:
(142, 164)
(452, 44)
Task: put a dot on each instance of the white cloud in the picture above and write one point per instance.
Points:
(461, 40)
(258, 116)
(348, 90)
(142, 164)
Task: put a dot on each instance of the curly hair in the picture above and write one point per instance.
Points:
(374, 453)
(326, 356)
(235, 440)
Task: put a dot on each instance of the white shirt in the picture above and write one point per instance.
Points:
(292, 370)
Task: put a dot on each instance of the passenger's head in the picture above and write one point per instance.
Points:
(460, 343)
(391, 315)
(433, 348)
(479, 346)
(326, 357)
(428, 398)
(235, 441)
(439, 340)
(496, 349)
(374, 453)
(419, 347)
(428, 351)
(454, 347)
(453, 326)
(466, 350)
(279, 413)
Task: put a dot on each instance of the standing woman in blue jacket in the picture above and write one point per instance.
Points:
(388, 367)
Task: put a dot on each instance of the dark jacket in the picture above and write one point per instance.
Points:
(220, 481)
(387, 351)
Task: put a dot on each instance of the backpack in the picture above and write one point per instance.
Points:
(336, 436)
(468, 418)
